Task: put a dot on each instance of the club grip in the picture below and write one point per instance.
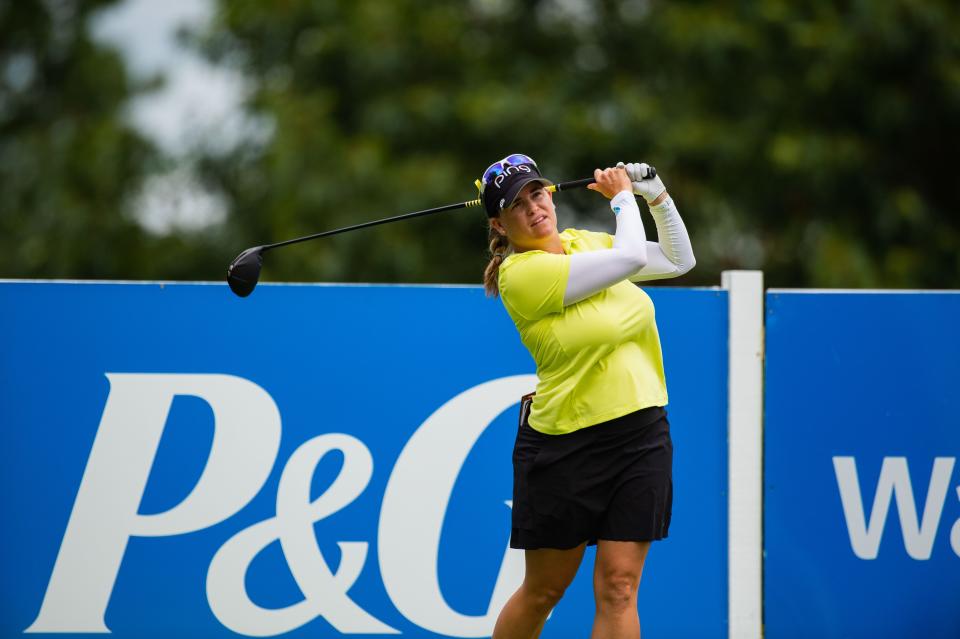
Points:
(577, 184)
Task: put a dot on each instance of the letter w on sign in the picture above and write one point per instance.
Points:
(894, 479)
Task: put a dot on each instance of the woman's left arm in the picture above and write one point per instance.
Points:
(672, 254)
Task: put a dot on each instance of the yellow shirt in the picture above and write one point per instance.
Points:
(597, 359)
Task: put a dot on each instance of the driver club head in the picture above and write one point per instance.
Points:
(244, 272)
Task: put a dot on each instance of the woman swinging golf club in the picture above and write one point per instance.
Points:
(593, 455)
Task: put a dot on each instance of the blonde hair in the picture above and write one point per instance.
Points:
(499, 249)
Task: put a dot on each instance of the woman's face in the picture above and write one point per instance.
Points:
(531, 222)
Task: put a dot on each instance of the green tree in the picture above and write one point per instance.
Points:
(809, 139)
(66, 161)
(70, 166)
(817, 136)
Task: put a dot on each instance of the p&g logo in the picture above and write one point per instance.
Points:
(245, 445)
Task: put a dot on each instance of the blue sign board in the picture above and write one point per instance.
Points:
(310, 461)
(862, 484)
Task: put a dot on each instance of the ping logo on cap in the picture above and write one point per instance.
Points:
(507, 171)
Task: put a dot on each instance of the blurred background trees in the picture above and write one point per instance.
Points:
(813, 140)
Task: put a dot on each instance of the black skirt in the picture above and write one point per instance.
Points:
(610, 481)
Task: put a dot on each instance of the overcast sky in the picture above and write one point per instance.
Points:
(198, 104)
(198, 98)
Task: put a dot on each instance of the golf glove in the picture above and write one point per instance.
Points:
(649, 188)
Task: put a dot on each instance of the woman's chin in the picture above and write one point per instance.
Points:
(543, 230)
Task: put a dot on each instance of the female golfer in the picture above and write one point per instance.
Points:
(593, 456)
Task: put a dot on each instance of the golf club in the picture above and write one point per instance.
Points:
(244, 272)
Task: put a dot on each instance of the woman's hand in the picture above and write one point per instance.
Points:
(610, 181)
(650, 188)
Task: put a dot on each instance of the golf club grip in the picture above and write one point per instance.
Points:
(576, 184)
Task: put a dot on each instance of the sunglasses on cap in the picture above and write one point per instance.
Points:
(498, 168)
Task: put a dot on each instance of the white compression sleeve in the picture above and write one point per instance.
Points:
(672, 254)
(593, 271)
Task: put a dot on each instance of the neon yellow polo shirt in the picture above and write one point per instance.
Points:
(597, 359)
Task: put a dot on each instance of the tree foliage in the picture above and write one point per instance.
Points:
(810, 139)
(70, 164)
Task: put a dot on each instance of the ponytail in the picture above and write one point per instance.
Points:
(499, 249)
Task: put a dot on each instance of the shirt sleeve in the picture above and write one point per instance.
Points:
(672, 254)
(533, 283)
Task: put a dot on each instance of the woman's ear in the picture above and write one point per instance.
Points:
(497, 226)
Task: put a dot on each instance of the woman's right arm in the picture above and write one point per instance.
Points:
(594, 271)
